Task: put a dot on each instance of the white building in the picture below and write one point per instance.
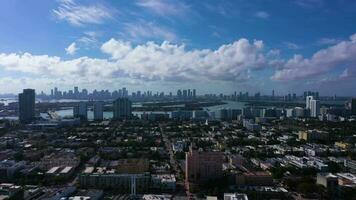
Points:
(307, 101)
(235, 196)
(314, 108)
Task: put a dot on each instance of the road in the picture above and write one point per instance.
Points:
(174, 164)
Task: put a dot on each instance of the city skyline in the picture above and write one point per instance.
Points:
(166, 45)
(177, 99)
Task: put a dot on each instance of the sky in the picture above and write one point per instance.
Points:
(214, 46)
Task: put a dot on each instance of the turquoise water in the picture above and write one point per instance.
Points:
(108, 115)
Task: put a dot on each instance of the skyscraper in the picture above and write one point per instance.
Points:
(179, 93)
(307, 101)
(353, 106)
(314, 108)
(98, 111)
(76, 92)
(122, 108)
(27, 106)
(81, 111)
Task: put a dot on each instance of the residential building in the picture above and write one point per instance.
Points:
(254, 179)
(314, 108)
(102, 178)
(313, 135)
(202, 166)
(235, 196)
(353, 106)
(81, 111)
(27, 106)
(98, 110)
(122, 108)
(133, 166)
(307, 101)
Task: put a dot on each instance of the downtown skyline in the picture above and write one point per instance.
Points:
(164, 45)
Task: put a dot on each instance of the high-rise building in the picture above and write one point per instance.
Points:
(314, 108)
(27, 106)
(122, 108)
(195, 93)
(353, 106)
(98, 110)
(307, 101)
(202, 166)
(125, 92)
(76, 90)
(179, 93)
(185, 93)
(81, 111)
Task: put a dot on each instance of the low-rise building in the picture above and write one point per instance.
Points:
(327, 180)
(102, 178)
(10, 191)
(164, 182)
(132, 166)
(313, 135)
(254, 179)
(235, 196)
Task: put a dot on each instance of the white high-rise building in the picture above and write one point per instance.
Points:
(98, 110)
(307, 101)
(314, 108)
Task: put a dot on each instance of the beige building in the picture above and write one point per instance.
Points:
(313, 135)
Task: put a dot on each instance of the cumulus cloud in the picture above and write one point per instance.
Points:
(168, 61)
(47, 66)
(79, 15)
(323, 61)
(147, 62)
(71, 49)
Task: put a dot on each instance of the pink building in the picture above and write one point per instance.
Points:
(201, 166)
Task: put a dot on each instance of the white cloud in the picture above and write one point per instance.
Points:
(323, 61)
(146, 62)
(292, 46)
(173, 62)
(117, 49)
(262, 15)
(79, 15)
(71, 49)
(164, 7)
(147, 31)
(309, 3)
(328, 41)
(89, 40)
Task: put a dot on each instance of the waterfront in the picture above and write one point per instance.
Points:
(68, 112)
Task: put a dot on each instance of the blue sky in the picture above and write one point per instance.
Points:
(162, 45)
